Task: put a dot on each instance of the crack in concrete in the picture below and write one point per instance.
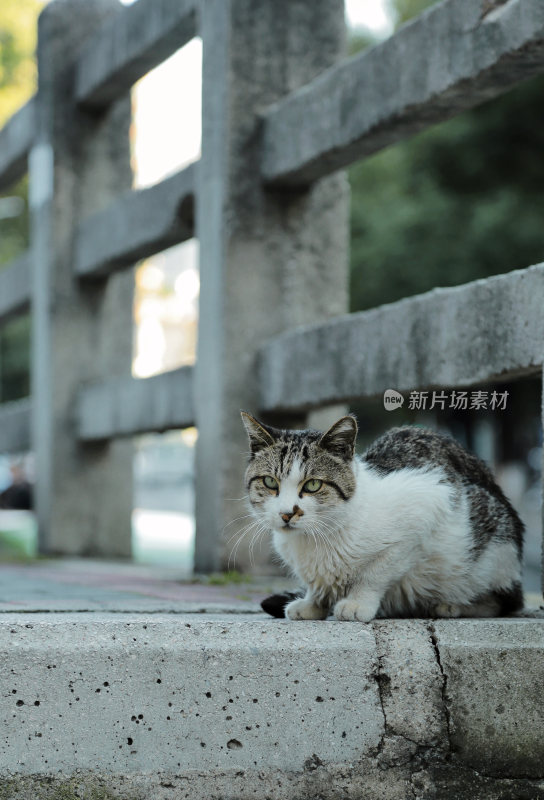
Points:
(447, 716)
(418, 757)
(379, 676)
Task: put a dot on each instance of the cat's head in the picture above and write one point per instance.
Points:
(300, 480)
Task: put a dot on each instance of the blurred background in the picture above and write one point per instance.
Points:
(419, 218)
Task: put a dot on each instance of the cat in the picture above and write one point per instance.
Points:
(416, 526)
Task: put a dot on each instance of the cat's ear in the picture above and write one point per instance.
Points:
(340, 438)
(260, 435)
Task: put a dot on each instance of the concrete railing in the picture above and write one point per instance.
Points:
(438, 339)
(280, 115)
(448, 60)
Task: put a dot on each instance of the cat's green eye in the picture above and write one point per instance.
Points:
(270, 482)
(313, 485)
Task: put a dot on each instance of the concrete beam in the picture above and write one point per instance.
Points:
(15, 286)
(137, 225)
(483, 331)
(16, 139)
(454, 56)
(15, 426)
(127, 406)
(138, 39)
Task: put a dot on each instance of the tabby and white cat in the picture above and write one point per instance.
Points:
(416, 526)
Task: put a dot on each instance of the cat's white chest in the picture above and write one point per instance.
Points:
(319, 565)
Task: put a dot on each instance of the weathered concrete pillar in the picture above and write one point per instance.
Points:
(80, 332)
(269, 260)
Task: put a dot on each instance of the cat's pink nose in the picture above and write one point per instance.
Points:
(287, 517)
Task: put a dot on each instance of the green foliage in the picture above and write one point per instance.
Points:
(18, 20)
(15, 334)
(18, 24)
(14, 231)
(226, 578)
(358, 41)
(15, 359)
(406, 9)
(458, 202)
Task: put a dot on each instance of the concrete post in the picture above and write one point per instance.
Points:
(269, 260)
(80, 333)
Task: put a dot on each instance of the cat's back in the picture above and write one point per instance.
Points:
(491, 513)
(422, 448)
(482, 566)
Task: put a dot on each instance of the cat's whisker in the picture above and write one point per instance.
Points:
(257, 536)
(330, 523)
(237, 519)
(326, 533)
(254, 535)
(325, 540)
(232, 554)
(241, 534)
(323, 530)
(243, 529)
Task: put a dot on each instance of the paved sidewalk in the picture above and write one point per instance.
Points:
(87, 585)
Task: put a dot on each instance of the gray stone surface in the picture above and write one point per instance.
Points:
(148, 693)
(486, 330)
(136, 225)
(15, 426)
(127, 406)
(316, 782)
(80, 163)
(138, 39)
(411, 684)
(265, 257)
(494, 693)
(455, 782)
(224, 704)
(451, 58)
(16, 139)
(15, 287)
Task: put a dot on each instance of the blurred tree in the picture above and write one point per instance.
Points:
(458, 202)
(15, 359)
(18, 26)
(17, 45)
(404, 10)
(14, 231)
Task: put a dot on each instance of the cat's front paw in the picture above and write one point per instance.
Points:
(448, 610)
(354, 610)
(304, 609)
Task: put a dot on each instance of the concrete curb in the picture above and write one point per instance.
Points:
(137, 706)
